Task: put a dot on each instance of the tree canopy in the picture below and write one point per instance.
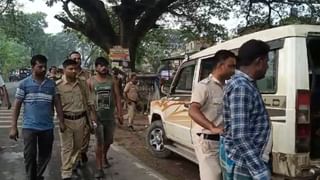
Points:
(22, 35)
(145, 25)
(126, 22)
(262, 14)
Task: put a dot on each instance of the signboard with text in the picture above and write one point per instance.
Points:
(119, 53)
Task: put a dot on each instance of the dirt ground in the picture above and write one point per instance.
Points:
(174, 168)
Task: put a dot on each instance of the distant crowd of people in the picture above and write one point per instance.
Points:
(84, 104)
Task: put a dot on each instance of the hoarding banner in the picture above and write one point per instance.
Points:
(119, 53)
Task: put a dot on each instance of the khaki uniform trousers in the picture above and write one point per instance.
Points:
(86, 138)
(71, 143)
(207, 152)
(131, 113)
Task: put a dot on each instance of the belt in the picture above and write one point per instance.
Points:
(213, 137)
(75, 117)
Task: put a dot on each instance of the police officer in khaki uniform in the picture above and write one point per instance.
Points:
(206, 112)
(75, 99)
(131, 96)
(83, 75)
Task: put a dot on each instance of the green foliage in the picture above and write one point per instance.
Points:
(257, 15)
(6, 5)
(12, 54)
(58, 46)
(27, 28)
(22, 35)
(159, 44)
(195, 19)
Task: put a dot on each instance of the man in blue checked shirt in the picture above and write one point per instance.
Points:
(247, 141)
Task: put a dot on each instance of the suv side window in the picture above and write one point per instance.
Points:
(206, 68)
(183, 83)
(269, 83)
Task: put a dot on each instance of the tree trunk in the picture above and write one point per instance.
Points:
(133, 52)
(136, 19)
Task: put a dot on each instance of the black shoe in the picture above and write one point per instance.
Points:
(84, 158)
(78, 165)
(67, 179)
(40, 178)
(106, 164)
(99, 174)
(131, 128)
(75, 174)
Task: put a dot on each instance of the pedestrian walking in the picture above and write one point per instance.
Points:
(83, 75)
(38, 95)
(105, 89)
(4, 97)
(206, 113)
(75, 99)
(53, 74)
(247, 138)
(130, 94)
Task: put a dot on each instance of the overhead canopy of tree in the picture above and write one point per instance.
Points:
(159, 44)
(126, 22)
(22, 35)
(27, 28)
(262, 14)
(5, 5)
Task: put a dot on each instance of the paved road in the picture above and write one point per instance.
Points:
(124, 165)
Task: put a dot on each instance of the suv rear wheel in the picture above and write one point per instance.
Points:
(156, 139)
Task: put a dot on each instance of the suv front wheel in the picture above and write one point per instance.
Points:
(156, 139)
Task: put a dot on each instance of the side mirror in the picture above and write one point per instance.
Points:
(165, 90)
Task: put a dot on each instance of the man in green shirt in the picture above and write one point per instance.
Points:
(105, 90)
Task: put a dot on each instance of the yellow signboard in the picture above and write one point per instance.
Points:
(119, 53)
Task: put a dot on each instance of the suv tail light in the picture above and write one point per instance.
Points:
(303, 128)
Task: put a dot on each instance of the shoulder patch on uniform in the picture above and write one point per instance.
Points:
(205, 81)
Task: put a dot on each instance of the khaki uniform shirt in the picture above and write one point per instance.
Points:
(84, 75)
(71, 96)
(209, 94)
(131, 91)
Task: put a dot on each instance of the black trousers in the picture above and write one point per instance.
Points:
(37, 152)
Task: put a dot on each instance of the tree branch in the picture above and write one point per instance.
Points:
(178, 4)
(248, 13)
(70, 15)
(149, 18)
(171, 11)
(7, 3)
(69, 23)
(269, 13)
(95, 9)
(273, 9)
